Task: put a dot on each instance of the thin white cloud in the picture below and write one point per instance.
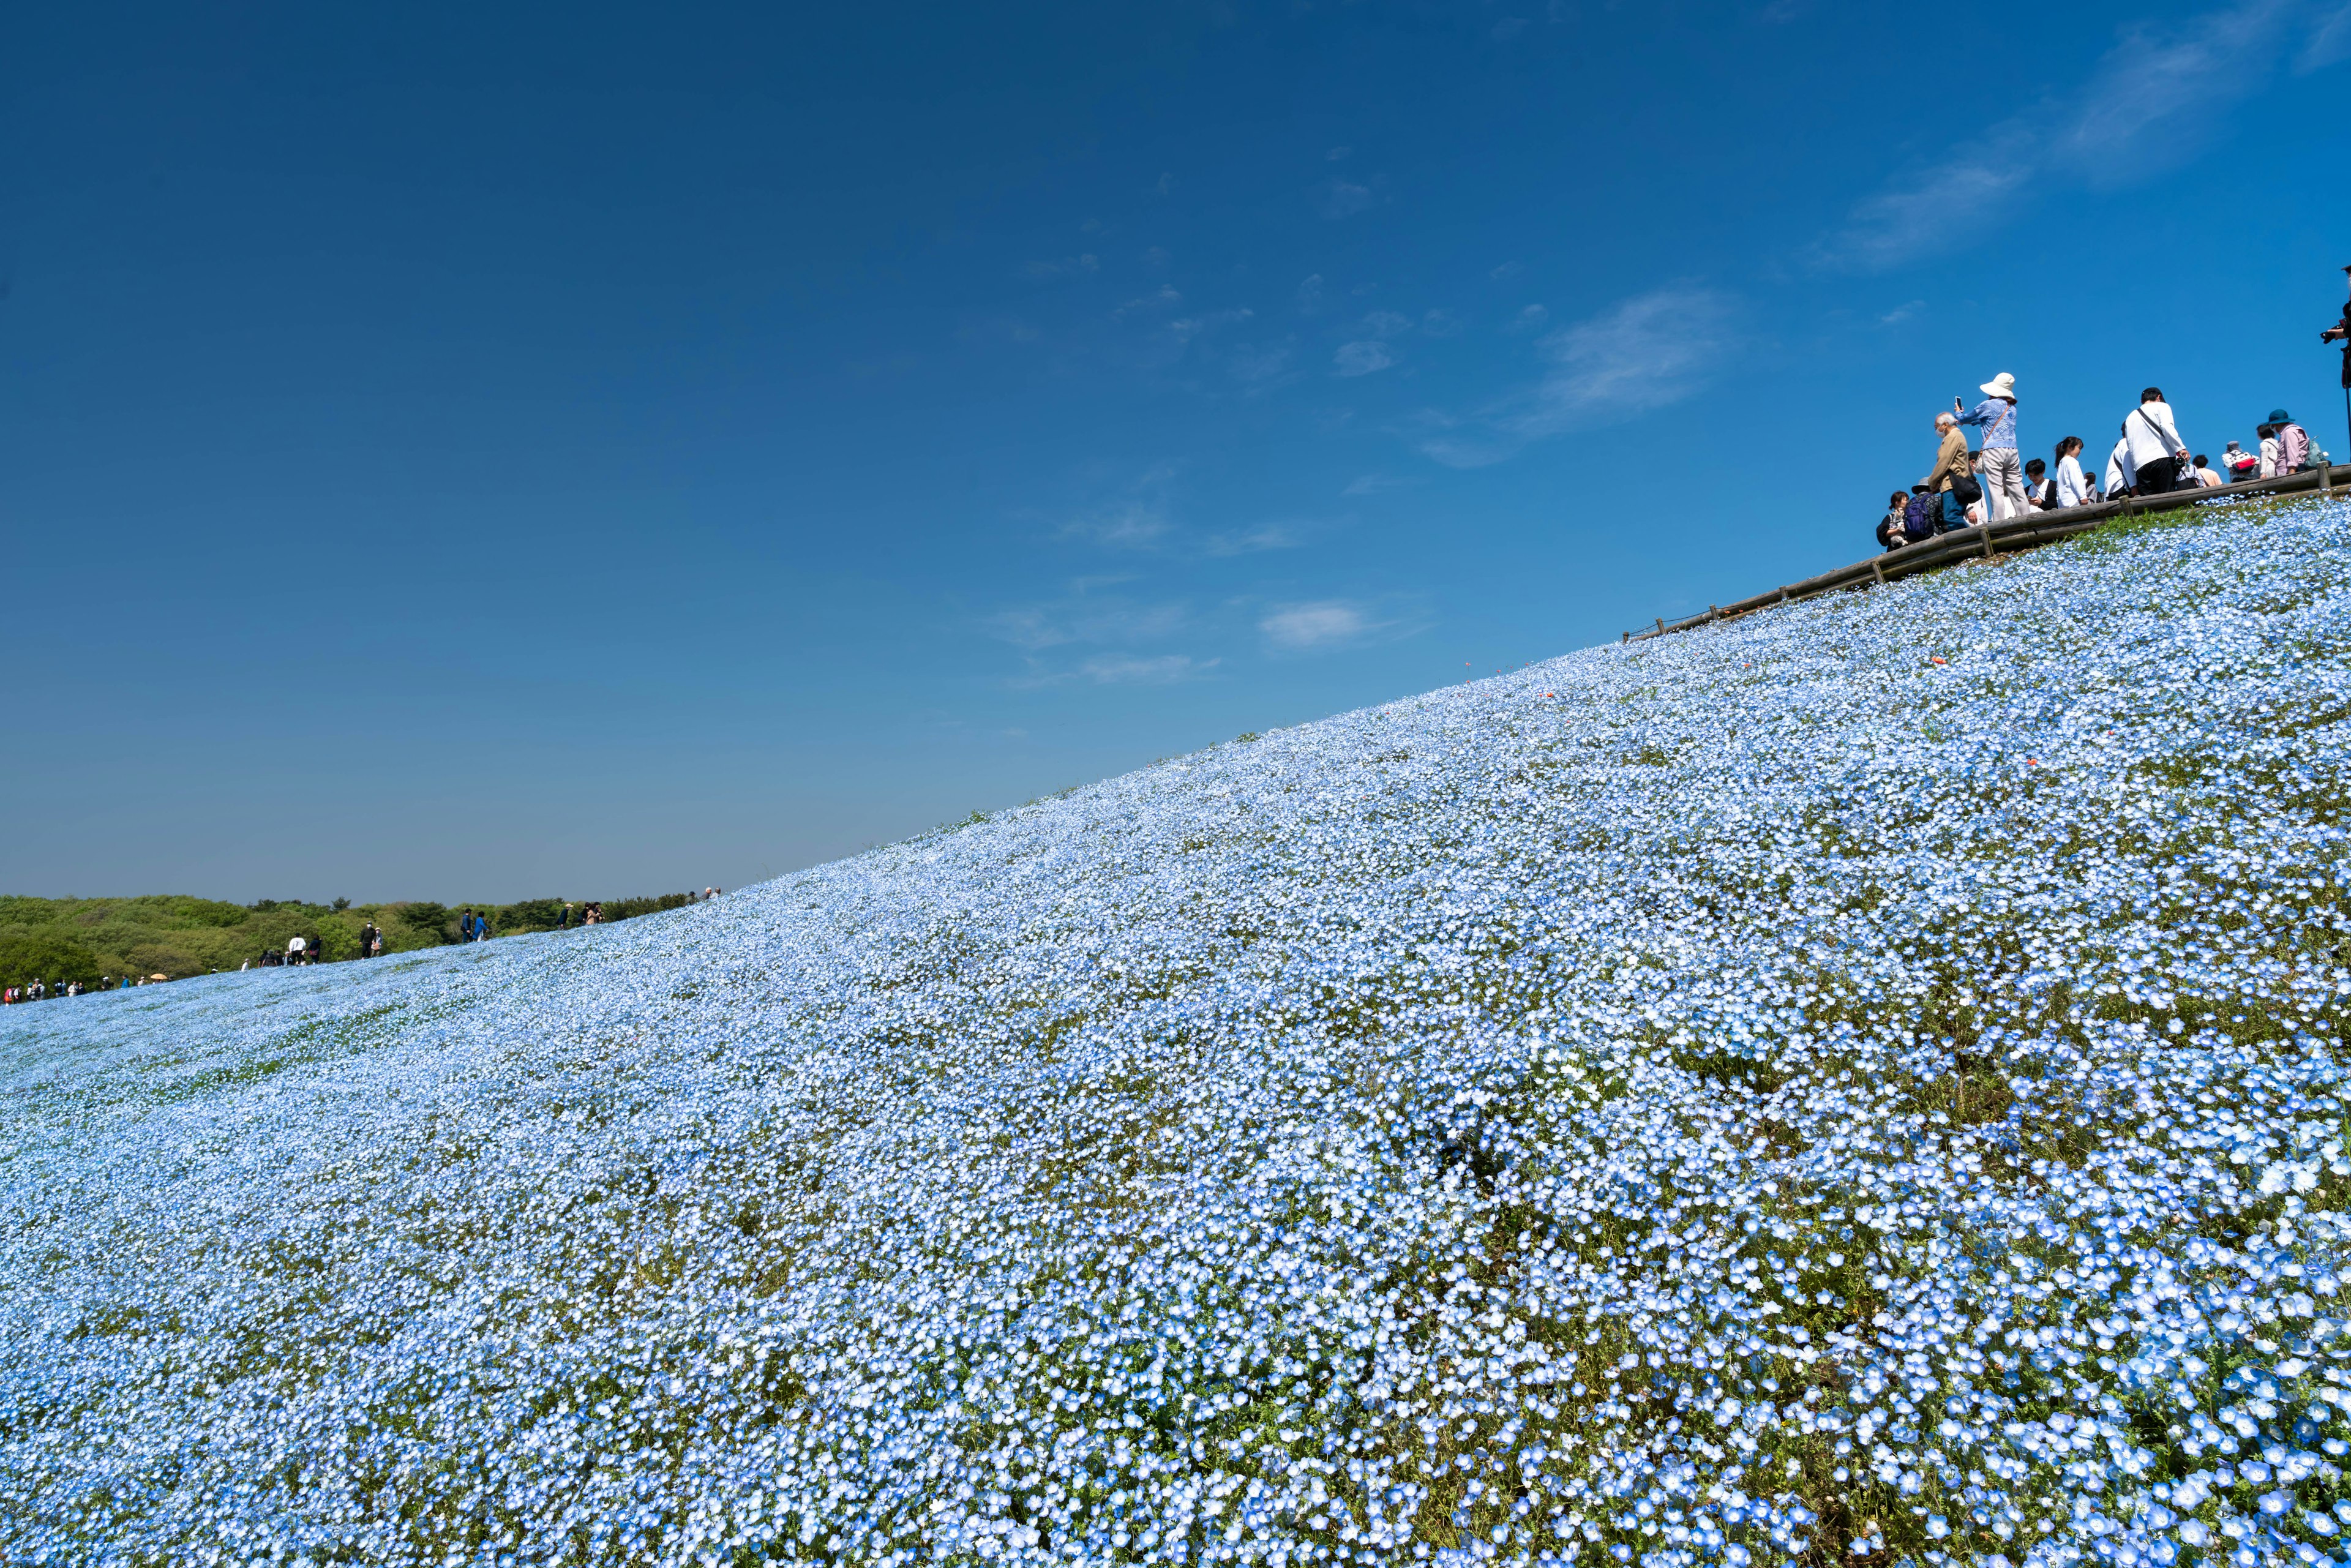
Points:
(1252, 542)
(1385, 324)
(1084, 619)
(1128, 524)
(1159, 301)
(1318, 623)
(1529, 318)
(1901, 313)
(2142, 109)
(1440, 323)
(1310, 293)
(1344, 198)
(1184, 328)
(1255, 364)
(1118, 669)
(1068, 267)
(2329, 42)
(1362, 358)
(1641, 354)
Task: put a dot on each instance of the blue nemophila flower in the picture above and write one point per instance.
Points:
(1727, 1109)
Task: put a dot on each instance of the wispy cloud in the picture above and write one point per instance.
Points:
(1158, 302)
(1135, 520)
(1362, 358)
(1310, 293)
(1257, 364)
(1530, 319)
(2329, 42)
(1319, 623)
(1083, 618)
(1901, 313)
(1641, 354)
(1166, 669)
(1068, 267)
(1373, 484)
(2141, 110)
(1251, 541)
(1343, 199)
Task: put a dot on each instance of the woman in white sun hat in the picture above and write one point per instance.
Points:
(2004, 468)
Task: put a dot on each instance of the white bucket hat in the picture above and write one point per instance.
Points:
(2001, 385)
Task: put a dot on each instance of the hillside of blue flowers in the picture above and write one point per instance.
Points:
(1865, 1083)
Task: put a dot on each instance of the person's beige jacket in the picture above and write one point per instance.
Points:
(1951, 461)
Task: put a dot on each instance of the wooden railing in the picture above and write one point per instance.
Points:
(2009, 535)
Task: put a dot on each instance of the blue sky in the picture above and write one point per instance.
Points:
(480, 452)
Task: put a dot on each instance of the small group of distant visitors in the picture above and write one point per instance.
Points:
(38, 990)
(1967, 490)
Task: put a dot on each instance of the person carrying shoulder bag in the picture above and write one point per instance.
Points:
(1950, 476)
(2157, 450)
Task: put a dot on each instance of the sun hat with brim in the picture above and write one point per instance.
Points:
(2279, 416)
(2001, 385)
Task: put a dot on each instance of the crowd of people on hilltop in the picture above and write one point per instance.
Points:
(1967, 488)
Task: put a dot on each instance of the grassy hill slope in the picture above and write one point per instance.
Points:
(1865, 1083)
(61, 940)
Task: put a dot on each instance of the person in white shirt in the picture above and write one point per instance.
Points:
(2072, 485)
(2157, 450)
(2120, 472)
(2268, 433)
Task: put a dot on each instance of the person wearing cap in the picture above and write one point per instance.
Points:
(2003, 470)
(2236, 464)
(2294, 442)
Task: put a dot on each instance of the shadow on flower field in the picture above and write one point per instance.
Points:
(1862, 1084)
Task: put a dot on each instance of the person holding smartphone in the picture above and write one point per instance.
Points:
(2003, 467)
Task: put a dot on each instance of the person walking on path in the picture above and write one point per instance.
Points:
(2157, 450)
(2003, 470)
(2072, 485)
(2294, 442)
(1950, 466)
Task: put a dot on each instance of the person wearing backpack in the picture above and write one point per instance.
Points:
(2157, 451)
(1921, 515)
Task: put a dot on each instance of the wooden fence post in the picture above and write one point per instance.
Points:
(1661, 625)
(1878, 572)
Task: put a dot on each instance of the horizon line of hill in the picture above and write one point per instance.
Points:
(57, 940)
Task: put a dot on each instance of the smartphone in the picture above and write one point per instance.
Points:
(1959, 403)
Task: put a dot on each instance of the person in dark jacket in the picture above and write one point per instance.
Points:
(1889, 526)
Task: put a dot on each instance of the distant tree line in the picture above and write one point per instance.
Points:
(59, 940)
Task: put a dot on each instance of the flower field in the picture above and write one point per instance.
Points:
(1866, 1083)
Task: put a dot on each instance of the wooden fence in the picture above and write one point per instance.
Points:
(2009, 534)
